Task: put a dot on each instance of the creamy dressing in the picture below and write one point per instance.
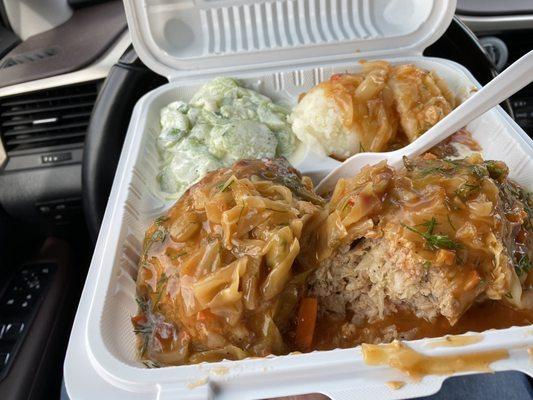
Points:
(223, 123)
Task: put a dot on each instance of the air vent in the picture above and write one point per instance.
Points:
(47, 120)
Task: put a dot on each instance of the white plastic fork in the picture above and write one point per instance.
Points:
(507, 83)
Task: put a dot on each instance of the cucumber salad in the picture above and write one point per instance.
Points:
(223, 123)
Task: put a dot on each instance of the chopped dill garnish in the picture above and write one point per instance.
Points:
(407, 164)
(526, 198)
(466, 190)
(159, 220)
(349, 202)
(478, 171)
(143, 303)
(444, 167)
(430, 224)
(427, 264)
(226, 185)
(450, 222)
(161, 284)
(175, 257)
(143, 330)
(158, 236)
(145, 344)
(240, 214)
(151, 364)
(497, 169)
(434, 241)
(523, 266)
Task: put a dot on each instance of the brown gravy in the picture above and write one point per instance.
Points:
(480, 317)
(395, 385)
(417, 365)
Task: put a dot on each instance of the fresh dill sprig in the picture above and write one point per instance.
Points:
(151, 364)
(434, 241)
(176, 257)
(158, 236)
(523, 266)
(466, 190)
(226, 185)
(143, 303)
(478, 171)
(161, 284)
(240, 214)
(497, 169)
(444, 167)
(407, 164)
(159, 220)
(450, 222)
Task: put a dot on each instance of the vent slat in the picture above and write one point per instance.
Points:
(29, 121)
(46, 109)
(13, 103)
(55, 117)
(16, 122)
(43, 128)
(85, 114)
(44, 138)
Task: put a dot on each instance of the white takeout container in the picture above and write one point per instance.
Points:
(282, 48)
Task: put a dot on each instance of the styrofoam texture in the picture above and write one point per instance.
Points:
(103, 342)
(199, 37)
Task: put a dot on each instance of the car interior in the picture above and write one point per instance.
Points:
(69, 79)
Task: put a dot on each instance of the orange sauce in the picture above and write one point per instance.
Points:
(417, 365)
(480, 317)
(195, 384)
(395, 385)
(219, 370)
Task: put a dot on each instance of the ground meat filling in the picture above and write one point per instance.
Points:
(440, 237)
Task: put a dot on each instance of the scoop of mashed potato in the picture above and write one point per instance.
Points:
(348, 113)
(319, 121)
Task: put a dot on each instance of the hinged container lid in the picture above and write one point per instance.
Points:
(179, 38)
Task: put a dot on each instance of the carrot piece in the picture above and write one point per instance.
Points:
(305, 328)
(139, 319)
(205, 316)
